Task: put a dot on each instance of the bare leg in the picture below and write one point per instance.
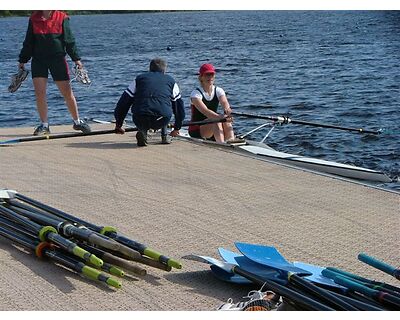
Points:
(66, 90)
(218, 132)
(209, 130)
(40, 85)
(228, 131)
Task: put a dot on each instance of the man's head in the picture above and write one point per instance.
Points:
(158, 65)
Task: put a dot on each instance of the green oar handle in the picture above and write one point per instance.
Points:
(302, 300)
(142, 249)
(94, 274)
(112, 269)
(395, 272)
(163, 259)
(149, 262)
(70, 246)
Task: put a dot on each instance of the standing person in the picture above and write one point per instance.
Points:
(205, 101)
(154, 96)
(47, 41)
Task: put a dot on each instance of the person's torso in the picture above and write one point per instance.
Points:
(48, 34)
(211, 102)
(153, 94)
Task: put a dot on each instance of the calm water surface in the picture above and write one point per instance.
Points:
(336, 67)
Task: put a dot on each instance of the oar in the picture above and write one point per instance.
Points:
(20, 229)
(271, 257)
(48, 233)
(317, 273)
(315, 277)
(60, 136)
(286, 120)
(329, 273)
(107, 231)
(124, 251)
(234, 258)
(370, 283)
(380, 296)
(171, 125)
(394, 272)
(301, 300)
(110, 258)
(63, 226)
(46, 249)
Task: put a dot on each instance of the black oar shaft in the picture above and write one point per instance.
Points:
(285, 120)
(61, 136)
(17, 227)
(321, 293)
(17, 238)
(57, 212)
(306, 302)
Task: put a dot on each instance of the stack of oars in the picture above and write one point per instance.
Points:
(74, 243)
(305, 286)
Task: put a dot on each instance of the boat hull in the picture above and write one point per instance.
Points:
(263, 151)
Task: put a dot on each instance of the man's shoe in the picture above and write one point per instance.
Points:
(82, 126)
(141, 138)
(165, 140)
(41, 130)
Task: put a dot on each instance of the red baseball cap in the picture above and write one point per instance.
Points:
(206, 68)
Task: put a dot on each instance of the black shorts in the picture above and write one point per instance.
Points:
(57, 66)
(196, 134)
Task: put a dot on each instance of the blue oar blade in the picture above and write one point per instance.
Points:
(229, 257)
(268, 256)
(317, 276)
(262, 271)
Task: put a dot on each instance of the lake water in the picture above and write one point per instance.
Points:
(334, 67)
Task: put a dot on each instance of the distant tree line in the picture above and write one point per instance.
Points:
(27, 13)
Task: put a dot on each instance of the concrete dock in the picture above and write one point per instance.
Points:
(180, 199)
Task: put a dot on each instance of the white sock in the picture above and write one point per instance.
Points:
(77, 121)
(45, 124)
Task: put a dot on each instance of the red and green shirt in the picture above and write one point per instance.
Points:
(48, 38)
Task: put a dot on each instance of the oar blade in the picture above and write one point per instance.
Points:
(229, 257)
(262, 271)
(317, 276)
(268, 256)
(209, 260)
(7, 194)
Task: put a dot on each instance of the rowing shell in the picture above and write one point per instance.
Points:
(263, 151)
